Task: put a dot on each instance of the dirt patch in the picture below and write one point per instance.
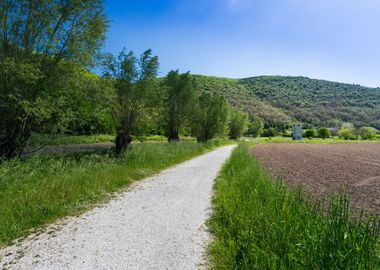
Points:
(66, 149)
(324, 169)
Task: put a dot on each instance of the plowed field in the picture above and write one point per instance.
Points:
(324, 169)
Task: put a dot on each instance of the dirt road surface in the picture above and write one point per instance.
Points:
(324, 169)
(158, 224)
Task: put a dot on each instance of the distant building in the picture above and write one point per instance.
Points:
(297, 132)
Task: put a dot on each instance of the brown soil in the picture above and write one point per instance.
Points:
(324, 169)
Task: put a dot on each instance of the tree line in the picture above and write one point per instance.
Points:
(173, 104)
(42, 44)
(346, 132)
(318, 102)
(47, 48)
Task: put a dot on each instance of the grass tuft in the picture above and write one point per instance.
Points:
(259, 223)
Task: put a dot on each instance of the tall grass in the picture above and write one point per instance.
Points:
(46, 139)
(261, 224)
(41, 189)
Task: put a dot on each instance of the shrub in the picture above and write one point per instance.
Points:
(346, 134)
(367, 133)
(255, 128)
(237, 124)
(324, 133)
(310, 133)
(270, 132)
(210, 118)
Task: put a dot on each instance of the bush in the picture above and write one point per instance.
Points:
(324, 133)
(237, 124)
(270, 132)
(368, 133)
(210, 118)
(310, 133)
(347, 134)
(255, 128)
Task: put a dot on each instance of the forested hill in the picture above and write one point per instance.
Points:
(279, 99)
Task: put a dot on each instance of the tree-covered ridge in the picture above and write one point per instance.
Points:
(239, 96)
(283, 100)
(318, 102)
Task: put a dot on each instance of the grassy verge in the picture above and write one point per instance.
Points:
(41, 189)
(45, 139)
(261, 224)
(41, 139)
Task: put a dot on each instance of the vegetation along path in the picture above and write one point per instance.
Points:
(159, 224)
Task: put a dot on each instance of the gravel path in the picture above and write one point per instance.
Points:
(158, 224)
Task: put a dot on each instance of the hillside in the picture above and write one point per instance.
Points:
(289, 99)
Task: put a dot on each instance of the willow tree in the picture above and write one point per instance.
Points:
(180, 98)
(210, 117)
(135, 84)
(36, 36)
(238, 124)
(256, 127)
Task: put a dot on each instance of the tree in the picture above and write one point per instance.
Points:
(78, 105)
(270, 132)
(347, 126)
(83, 106)
(324, 133)
(256, 127)
(238, 124)
(210, 117)
(135, 83)
(367, 133)
(310, 133)
(36, 36)
(346, 134)
(180, 97)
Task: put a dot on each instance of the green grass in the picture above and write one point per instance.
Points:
(41, 189)
(160, 138)
(259, 223)
(46, 139)
(41, 139)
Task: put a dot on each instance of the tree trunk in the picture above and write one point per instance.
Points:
(122, 141)
(201, 139)
(8, 149)
(174, 137)
(12, 143)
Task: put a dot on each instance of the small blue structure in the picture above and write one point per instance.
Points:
(297, 132)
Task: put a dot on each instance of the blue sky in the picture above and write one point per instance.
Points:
(336, 40)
